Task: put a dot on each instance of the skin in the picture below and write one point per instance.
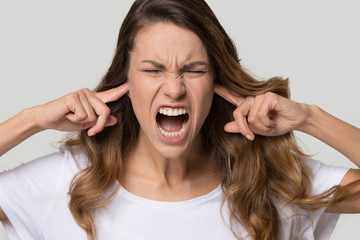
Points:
(179, 175)
(169, 66)
(72, 112)
(252, 117)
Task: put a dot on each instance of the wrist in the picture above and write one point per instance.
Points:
(29, 118)
(310, 121)
(17, 129)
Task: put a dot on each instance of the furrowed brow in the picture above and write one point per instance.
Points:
(193, 65)
(155, 64)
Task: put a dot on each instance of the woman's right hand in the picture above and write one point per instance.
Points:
(79, 110)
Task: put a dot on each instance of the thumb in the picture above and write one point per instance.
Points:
(231, 127)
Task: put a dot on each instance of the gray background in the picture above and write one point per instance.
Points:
(49, 48)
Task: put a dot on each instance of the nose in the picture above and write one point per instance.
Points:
(174, 86)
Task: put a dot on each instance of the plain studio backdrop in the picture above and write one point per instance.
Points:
(50, 48)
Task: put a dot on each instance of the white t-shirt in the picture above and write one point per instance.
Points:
(35, 198)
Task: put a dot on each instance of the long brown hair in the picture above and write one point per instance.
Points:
(253, 173)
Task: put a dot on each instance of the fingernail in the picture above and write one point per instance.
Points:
(90, 134)
(250, 137)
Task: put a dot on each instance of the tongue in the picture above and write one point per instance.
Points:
(170, 124)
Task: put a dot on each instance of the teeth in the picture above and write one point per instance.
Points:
(172, 111)
(172, 134)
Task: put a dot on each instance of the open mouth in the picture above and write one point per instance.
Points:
(172, 121)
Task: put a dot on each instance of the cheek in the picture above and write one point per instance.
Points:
(136, 89)
(137, 98)
(207, 91)
(202, 93)
(141, 93)
(207, 99)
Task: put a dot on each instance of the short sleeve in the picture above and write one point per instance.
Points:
(323, 177)
(27, 194)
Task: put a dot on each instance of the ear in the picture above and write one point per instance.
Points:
(128, 82)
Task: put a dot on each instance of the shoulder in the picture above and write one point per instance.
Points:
(72, 157)
(63, 164)
(323, 176)
(35, 194)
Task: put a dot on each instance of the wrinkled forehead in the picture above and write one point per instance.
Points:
(168, 43)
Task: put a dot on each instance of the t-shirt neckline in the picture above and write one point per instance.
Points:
(164, 204)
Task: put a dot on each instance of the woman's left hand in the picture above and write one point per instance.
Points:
(268, 114)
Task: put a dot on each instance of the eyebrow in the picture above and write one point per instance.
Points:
(184, 68)
(155, 64)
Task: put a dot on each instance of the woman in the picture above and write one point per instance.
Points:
(157, 168)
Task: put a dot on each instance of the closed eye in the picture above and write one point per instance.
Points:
(195, 71)
(151, 71)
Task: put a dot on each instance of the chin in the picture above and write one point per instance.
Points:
(172, 151)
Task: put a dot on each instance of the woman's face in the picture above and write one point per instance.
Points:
(170, 87)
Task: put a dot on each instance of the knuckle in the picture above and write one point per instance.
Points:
(82, 115)
(84, 90)
(270, 96)
(251, 119)
(276, 101)
(237, 113)
(92, 118)
(106, 111)
(71, 96)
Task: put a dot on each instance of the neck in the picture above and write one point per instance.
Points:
(149, 165)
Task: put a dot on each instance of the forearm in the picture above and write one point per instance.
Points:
(17, 129)
(338, 134)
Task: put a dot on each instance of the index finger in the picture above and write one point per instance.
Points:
(227, 95)
(113, 94)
